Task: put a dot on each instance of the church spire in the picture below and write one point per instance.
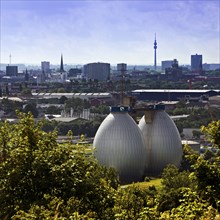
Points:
(155, 53)
(61, 64)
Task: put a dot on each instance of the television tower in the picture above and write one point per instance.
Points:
(10, 59)
(155, 53)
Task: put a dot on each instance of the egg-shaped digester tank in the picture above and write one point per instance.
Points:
(119, 144)
(162, 141)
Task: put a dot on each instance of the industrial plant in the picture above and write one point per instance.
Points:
(136, 151)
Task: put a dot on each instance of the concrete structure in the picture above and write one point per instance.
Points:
(97, 71)
(121, 68)
(211, 66)
(45, 66)
(11, 70)
(173, 94)
(41, 77)
(173, 73)
(74, 72)
(162, 141)
(214, 101)
(72, 95)
(188, 132)
(196, 63)
(166, 64)
(155, 53)
(119, 144)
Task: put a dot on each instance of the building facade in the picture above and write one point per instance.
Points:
(11, 70)
(45, 66)
(173, 73)
(166, 64)
(196, 63)
(97, 71)
(121, 67)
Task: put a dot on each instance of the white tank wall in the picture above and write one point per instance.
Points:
(162, 142)
(119, 143)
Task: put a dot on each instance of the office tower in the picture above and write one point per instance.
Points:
(121, 67)
(45, 66)
(196, 63)
(11, 70)
(166, 64)
(26, 76)
(98, 71)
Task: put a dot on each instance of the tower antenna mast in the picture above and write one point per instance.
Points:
(10, 59)
(155, 53)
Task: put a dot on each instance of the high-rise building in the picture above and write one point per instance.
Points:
(196, 63)
(121, 67)
(26, 76)
(98, 71)
(166, 64)
(45, 66)
(11, 70)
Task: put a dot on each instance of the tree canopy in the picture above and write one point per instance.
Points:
(34, 167)
(42, 179)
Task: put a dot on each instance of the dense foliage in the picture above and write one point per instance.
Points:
(35, 170)
(41, 179)
(78, 126)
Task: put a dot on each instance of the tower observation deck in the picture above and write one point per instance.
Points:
(155, 53)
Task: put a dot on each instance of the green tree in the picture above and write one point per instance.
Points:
(212, 133)
(6, 90)
(76, 104)
(191, 207)
(62, 99)
(206, 168)
(172, 181)
(53, 110)
(37, 171)
(196, 133)
(102, 109)
(31, 107)
(207, 175)
(26, 92)
(10, 106)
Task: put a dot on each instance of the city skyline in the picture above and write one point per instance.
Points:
(109, 31)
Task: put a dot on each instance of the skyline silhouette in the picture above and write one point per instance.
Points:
(109, 31)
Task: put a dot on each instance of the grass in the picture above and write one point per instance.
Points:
(146, 184)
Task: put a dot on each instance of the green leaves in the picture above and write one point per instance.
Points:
(33, 165)
(41, 179)
(212, 133)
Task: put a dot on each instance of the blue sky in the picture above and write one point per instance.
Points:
(109, 31)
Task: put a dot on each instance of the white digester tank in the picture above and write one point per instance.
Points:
(162, 140)
(119, 144)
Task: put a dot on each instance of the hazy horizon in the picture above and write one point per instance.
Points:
(109, 31)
